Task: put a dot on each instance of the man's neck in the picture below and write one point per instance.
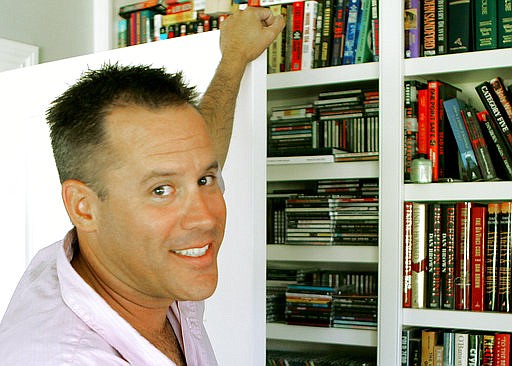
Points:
(147, 316)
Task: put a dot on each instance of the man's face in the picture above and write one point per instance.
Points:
(161, 224)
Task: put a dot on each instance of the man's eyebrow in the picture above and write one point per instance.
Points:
(170, 173)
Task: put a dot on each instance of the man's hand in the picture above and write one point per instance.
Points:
(247, 33)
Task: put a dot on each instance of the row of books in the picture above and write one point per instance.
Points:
(462, 143)
(348, 299)
(338, 212)
(448, 347)
(437, 27)
(346, 120)
(457, 255)
(295, 358)
(321, 33)
(154, 20)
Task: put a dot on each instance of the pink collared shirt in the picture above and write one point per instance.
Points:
(55, 318)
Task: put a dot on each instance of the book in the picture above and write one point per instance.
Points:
(492, 104)
(274, 55)
(407, 254)
(158, 6)
(463, 256)
(338, 32)
(461, 348)
(411, 338)
(502, 349)
(375, 30)
(498, 149)
(479, 144)
(411, 88)
(469, 164)
(478, 240)
(448, 256)
(505, 252)
(488, 350)
(486, 27)
(441, 27)
(297, 32)
(492, 259)
(412, 28)
(460, 26)
(422, 139)
(503, 96)
(352, 31)
(419, 256)
(429, 28)
(363, 52)
(438, 92)
(429, 339)
(317, 48)
(475, 349)
(309, 29)
(434, 256)
(325, 32)
(448, 348)
(504, 23)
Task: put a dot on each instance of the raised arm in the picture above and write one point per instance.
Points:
(244, 36)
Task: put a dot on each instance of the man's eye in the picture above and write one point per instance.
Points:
(206, 181)
(163, 191)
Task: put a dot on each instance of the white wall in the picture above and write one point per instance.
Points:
(60, 28)
(32, 214)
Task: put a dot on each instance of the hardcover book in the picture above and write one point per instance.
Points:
(463, 256)
(460, 26)
(352, 33)
(419, 255)
(448, 256)
(497, 145)
(492, 258)
(429, 28)
(412, 27)
(504, 23)
(478, 241)
(505, 269)
(486, 27)
(470, 169)
(434, 256)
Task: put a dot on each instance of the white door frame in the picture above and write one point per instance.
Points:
(16, 54)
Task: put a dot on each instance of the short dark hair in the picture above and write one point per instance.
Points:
(76, 117)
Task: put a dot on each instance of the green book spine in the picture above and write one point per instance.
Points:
(486, 19)
(459, 26)
(504, 23)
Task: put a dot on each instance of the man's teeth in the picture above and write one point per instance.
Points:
(194, 252)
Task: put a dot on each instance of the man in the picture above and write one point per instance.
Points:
(140, 171)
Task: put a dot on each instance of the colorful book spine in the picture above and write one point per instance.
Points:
(274, 55)
(297, 32)
(351, 36)
(492, 258)
(412, 27)
(486, 27)
(502, 349)
(453, 108)
(479, 144)
(463, 256)
(363, 50)
(488, 350)
(461, 348)
(478, 240)
(433, 127)
(429, 28)
(448, 348)
(474, 349)
(501, 92)
(375, 30)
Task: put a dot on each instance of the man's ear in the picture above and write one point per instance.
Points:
(80, 202)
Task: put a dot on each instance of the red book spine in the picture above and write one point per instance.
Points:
(408, 243)
(501, 349)
(488, 350)
(478, 239)
(422, 121)
(505, 271)
(433, 127)
(297, 29)
(463, 260)
(492, 257)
